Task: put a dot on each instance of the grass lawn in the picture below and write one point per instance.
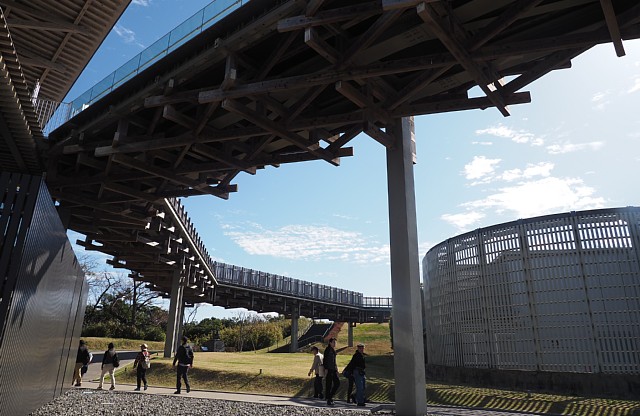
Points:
(286, 374)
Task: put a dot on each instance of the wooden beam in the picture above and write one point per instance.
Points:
(229, 161)
(56, 26)
(367, 38)
(385, 139)
(275, 58)
(175, 98)
(362, 101)
(127, 190)
(328, 77)
(318, 44)
(121, 131)
(169, 113)
(414, 87)
(612, 25)
(39, 62)
(146, 145)
(402, 4)
(166, 174)
(206, 116)
(345, 138)
(230, 73)
(280, 130)
(329, 17)
(458, 104)
(437, 26)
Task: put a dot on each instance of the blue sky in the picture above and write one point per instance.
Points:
(576, 146)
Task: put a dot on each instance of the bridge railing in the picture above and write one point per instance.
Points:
(185, 31)
(268, 282)
(376, 302)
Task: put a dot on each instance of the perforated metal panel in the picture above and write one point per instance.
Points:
(43, 297)
(557, 293)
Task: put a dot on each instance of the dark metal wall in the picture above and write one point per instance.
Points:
(43, 297)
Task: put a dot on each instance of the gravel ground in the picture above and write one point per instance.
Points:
(91, 402)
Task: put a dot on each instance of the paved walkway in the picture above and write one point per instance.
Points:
(90, 381)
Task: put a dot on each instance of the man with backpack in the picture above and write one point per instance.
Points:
(184, 358)
(141, 364)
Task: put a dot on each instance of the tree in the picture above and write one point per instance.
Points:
(119, 306)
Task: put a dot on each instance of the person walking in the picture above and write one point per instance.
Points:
(141, 364)
(184, 358)
(332, 382)
(358, 365)
(110, 362)
(318, 367)
(83, 357)
(348, 374)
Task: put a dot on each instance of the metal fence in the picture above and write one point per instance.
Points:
(554, 293)
(227, 273)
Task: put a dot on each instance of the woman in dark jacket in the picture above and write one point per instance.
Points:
(110, 362)
(82, 359)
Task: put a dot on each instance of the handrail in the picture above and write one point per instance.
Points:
(201, 20)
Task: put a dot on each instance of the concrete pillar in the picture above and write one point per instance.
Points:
(175, 307)
(408, 343)
(180, 324)
(295, 316)
(350, 334)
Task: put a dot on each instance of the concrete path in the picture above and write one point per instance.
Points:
(91, 378)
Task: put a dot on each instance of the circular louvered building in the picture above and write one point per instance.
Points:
(558, 293)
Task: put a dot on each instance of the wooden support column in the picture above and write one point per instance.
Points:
(408, 343)
(175, 312)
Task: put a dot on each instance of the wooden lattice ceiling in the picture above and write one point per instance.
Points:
(279, 82)
(55, 39)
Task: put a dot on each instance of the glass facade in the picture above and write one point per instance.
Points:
(555, 293)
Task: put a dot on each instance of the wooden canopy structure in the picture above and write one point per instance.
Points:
(278, 82)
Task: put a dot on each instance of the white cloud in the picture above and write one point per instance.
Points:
(127, 35)
(520, 136)
(599, 96)
(557, 149)
(540, 197)
(480, 167)
(635, 87)
(307, 242)
(483, 143)
(144, 3)
(464, 220)
(541, 169)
